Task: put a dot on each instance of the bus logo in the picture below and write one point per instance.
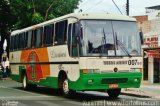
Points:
(33, 65)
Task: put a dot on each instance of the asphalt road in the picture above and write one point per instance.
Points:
(12, 94)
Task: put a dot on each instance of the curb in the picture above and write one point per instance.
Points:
(5, 78)
(136, 95)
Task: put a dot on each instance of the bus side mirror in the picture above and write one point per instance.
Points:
(141, 37)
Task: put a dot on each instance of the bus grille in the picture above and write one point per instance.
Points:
(114, 80)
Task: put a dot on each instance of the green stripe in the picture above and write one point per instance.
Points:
(16, 77)
(51, 82)
(83, 82)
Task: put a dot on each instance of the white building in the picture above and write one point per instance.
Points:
(151, 47)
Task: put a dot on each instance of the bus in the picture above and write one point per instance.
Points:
(78, 52)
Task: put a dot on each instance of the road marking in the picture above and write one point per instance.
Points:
(19, 90)
(3, 87)
(156, 97)
(23, 97)
(22, 104)
(75, 103)
(48, 103)
(154, 87)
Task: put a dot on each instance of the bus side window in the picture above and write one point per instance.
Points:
(69, 38)
(21, 40)
(25, 40)
(16, 42)
(48, 34)
(38, 37)
(12, 43)
(61, 32)
(29, 39)
(74, 43)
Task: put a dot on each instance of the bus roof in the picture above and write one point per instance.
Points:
(78, 16)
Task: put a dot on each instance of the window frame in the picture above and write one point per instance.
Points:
(37, 37)
(61, 36)
(29, 40)
(45, 33)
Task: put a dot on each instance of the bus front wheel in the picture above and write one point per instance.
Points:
(65, 88)
(113, 93)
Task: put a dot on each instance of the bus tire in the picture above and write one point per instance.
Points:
(113, 93)
(65, 89)
(24, 82)
(25, 85)
(64, 85)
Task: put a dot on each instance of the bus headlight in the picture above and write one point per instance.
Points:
(135, 69)
(90, 71)
(136, 80)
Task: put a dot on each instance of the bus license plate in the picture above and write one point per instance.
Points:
(113, 85)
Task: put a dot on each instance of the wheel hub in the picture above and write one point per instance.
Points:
(24, 82)
(65, 87)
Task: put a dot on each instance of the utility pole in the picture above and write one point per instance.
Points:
(127, 7)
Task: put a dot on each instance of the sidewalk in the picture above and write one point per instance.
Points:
(146, 91)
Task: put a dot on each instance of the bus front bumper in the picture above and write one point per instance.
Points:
(99, 82)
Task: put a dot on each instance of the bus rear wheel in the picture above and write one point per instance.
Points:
(24, 82)
(25, 85)
(113, 93)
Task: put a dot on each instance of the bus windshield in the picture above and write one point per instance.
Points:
(110, 38)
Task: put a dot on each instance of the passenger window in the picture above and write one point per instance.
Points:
(69, 37)
(16, 39)
(48, 34)
(25, 40)
(29, 39)
(38, 37)
(12, 43)
(74, 44)
(60, 32)
(22, 40)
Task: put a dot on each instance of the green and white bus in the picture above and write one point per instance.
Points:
(78, 52)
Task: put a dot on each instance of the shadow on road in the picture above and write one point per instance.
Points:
(78, 96)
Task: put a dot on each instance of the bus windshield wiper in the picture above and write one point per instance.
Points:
(103, 42)
(121, 45)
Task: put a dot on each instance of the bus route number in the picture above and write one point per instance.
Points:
(132, 62)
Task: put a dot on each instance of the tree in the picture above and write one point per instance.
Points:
(17, 14)
(5, 23)
(30, 12)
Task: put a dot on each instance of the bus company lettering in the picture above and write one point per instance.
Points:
(115, 62)
(125, 62)
(57, 55)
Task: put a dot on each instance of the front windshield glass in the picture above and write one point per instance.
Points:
(111, 38)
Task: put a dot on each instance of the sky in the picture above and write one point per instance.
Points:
(137, 7)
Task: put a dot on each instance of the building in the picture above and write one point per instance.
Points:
(153, 12)
(151, 47)
(143, 23)
(151, 51)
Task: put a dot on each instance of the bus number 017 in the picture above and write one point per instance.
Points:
(132, 62)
